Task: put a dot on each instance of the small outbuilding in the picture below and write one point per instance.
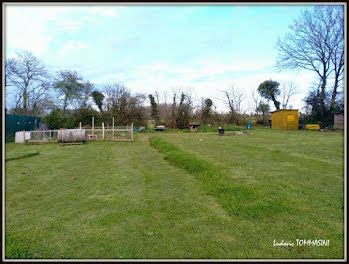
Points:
(285, 119)
(193, 127)
(338, 122)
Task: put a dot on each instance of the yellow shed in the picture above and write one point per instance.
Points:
(285, 119)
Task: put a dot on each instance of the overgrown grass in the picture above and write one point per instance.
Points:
(237, 199)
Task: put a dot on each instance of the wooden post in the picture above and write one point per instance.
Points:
(102, 130)
(93, 125)
(113, 129)
(132, 132)
(23, 136)
(50, 135)
(80, 124)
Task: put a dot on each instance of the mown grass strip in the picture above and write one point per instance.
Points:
(240, 200)
(16, 156)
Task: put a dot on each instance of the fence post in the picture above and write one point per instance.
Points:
(23, 136)
(103, 130)
(113, 129)
(80, 124)
(93, 125)
(50, 135)
(132, 132)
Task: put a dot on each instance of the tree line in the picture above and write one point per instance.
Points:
(315, 43)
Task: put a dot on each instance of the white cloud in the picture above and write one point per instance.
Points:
(208, 80)
(70, 25)
(26, 27)
(155, 77)
(72, 45)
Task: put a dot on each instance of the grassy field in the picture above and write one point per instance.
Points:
(200, 196)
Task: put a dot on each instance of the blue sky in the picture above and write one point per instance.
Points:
(160, 48)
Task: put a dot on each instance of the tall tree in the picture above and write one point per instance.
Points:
(184, 111)
(270, 90)
(314, 43)
(233, 98)
(28, 76)
(69, 85)
(98, 98)
(337, 56)
(206, 110)
(287, 90)
(264, 109)
(173, 110)
(86, 94)
(154, 109)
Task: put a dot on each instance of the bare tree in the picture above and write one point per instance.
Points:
(337, 55)
(116, 95)
(125, 107)
(233, 99)
(257, 99)
(173, 110)
(10, 69)
(311, 44)
(287, 90)
(28, 76)
(157, 96)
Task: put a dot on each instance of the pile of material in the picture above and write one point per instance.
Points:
(238, 132)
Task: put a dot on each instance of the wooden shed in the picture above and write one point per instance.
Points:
(338, 122)
(285, 119)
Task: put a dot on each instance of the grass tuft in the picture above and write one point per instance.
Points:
(162, 145)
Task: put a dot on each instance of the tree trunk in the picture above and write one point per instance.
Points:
(322, 96)
(276, 103)
(65, 105)
(334, 93)
(25, 99)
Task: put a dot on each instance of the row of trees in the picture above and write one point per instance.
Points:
(65, 98)
(315, 43)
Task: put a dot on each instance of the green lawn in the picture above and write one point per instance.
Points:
(124, 200)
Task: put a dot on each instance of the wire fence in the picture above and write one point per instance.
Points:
(43, 136)
(107, 133)
(118, 133)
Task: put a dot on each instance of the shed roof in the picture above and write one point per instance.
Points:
(284, 110)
